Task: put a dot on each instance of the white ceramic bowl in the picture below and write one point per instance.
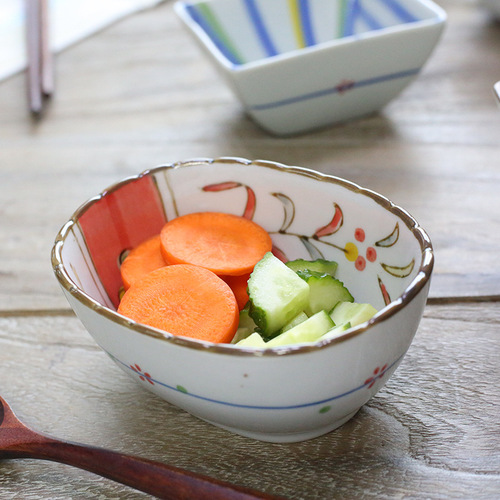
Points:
(302, 64)
(282, 394)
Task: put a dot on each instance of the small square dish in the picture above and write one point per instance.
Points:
(298, 65)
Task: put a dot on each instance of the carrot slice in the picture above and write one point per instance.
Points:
(141, 260)
(183, 300)
(238, 285)
(224, 243)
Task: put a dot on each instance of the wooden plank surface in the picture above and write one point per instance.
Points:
(139, 94)
(432, 432)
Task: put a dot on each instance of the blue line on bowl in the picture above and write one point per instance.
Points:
(205, 25)
(403, 14)
(307, 26)
(333, 90)
(254, 407)
(260, 27)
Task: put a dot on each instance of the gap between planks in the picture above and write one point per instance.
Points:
(431, 301)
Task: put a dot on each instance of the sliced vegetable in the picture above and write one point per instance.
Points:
(141, 260)
(337, 331)
(325, 291)
(277, 294)
(223, 243)
(253, 340)
(183, 300)
(300, 318)
(352, 312)
(213, 276)
(322, 266)
(307, 331)
(238, 285)
(323, 312)
(246, 326)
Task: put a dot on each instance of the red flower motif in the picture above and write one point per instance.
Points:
(144, 376)
(249, 210)
(371, 254)
(360, 263)
(344, 86)
(377, 374)
(352, 251)
(277, 252)
(333, 226)
(359, 234)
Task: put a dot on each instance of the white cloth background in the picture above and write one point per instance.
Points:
(69, 22)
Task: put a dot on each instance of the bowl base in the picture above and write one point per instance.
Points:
(286, 437)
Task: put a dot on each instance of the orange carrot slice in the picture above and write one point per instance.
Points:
(183, 300)
(239, 285)
(141, 260)
(224, 243)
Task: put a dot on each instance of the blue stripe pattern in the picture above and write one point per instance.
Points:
(307, 27)
(370, 20)
(334, 90)
(260, 27)
(355, 11)
(405, 15)
(198, 18)
(352, 12)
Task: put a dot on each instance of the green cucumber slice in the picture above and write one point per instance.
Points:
(309, 330)
(352, 312)
(322, 266)
(277, 294)
(336, 331)
(325, 291)
(246, 326)
(295, 321)
(253, 340)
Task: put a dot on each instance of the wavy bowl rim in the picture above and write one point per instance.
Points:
(411, 291)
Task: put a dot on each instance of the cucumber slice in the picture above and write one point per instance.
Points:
(277, 294)
(246, 326)
(253, 340)
(352, 312)
(322, 266)
(325, 291)
(307, 331)
(295, 321)
(336, 331)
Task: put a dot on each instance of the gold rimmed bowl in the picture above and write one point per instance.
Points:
(283, 394)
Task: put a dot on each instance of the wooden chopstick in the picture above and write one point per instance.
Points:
(46, 54)
(40, 73)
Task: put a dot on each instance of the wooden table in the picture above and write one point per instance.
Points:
(139, 94)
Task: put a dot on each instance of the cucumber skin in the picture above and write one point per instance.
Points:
(301, 317)
(325, 291)
(271, 318)
(319, 265)
(336, 331)
(277, 294)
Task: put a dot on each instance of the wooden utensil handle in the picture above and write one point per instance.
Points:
(155, 478)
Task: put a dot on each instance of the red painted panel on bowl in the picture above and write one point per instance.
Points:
(120, 220)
